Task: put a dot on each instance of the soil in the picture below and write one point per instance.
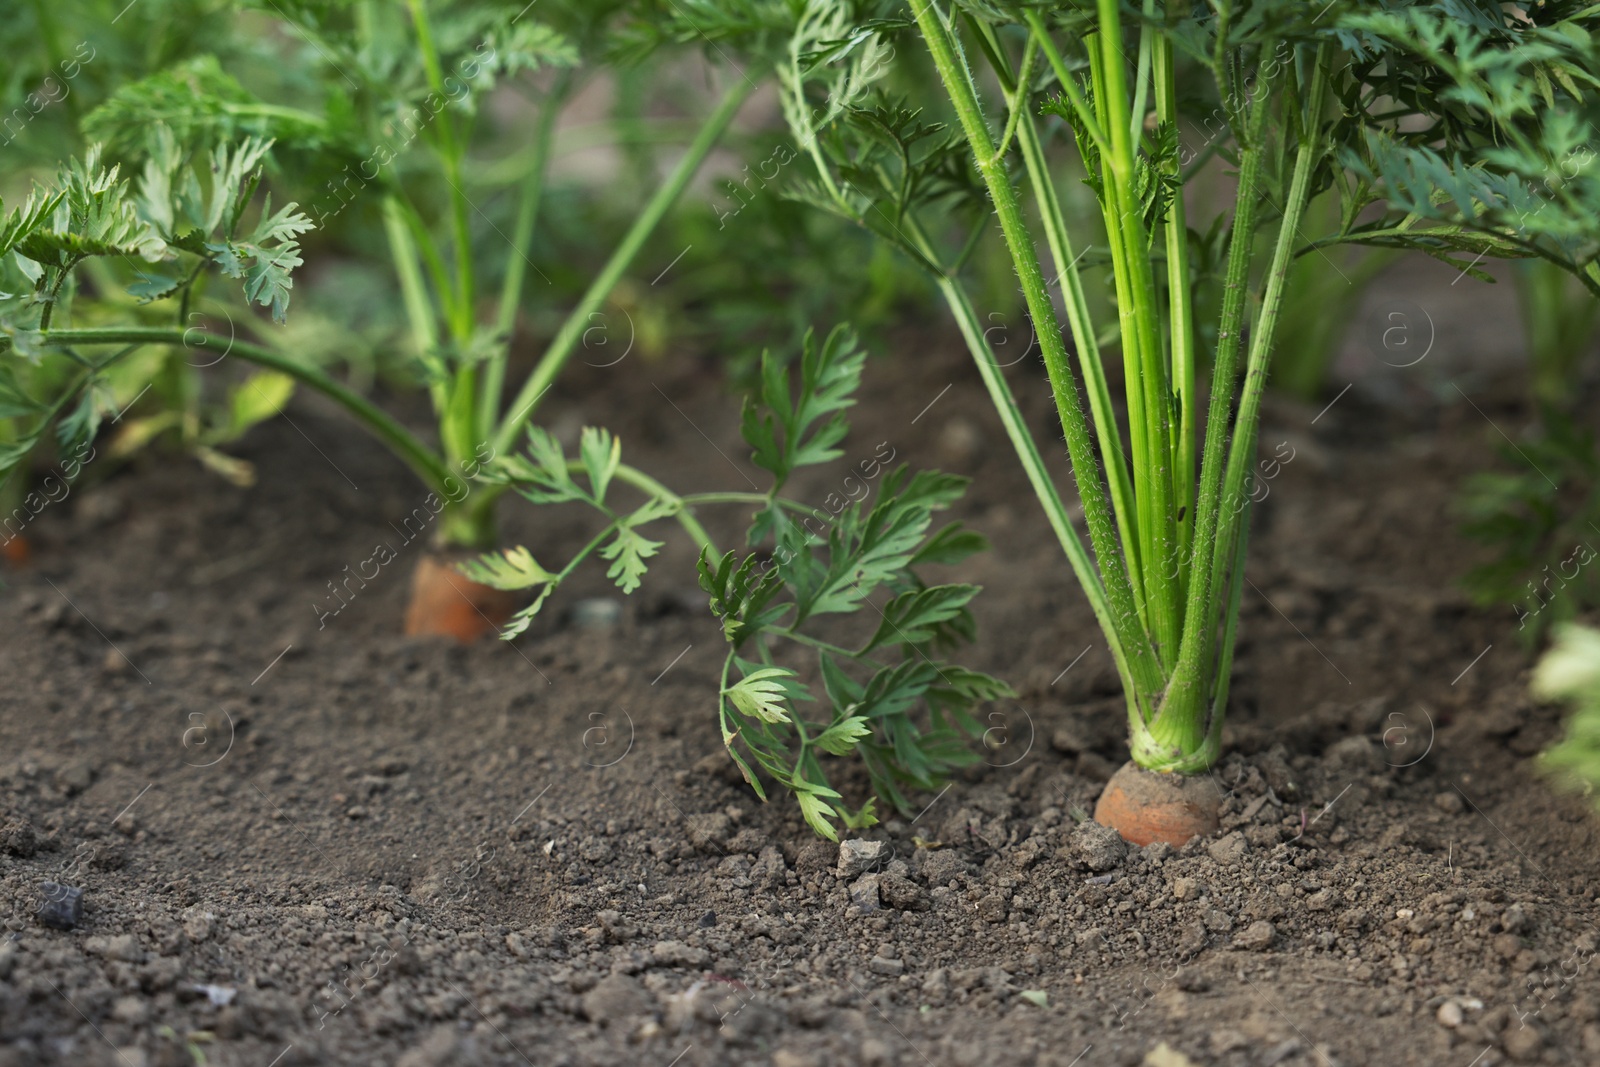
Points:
(304, 843)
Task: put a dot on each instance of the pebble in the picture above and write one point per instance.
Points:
(888, 968)
(1164, 1055)
(678, 954)
(615, 999)
(596, 613)
(993, 908)
(62, 907)
(126, 824)
(1070, 740)
(857, 856)
(124, 947)
(1450, 1014)
(131, 1010)
(1282, 1051)
(1257, 937)
(1224, 1040)
(864, 892)
(197, 923)
(1449, 802)
(875, 1053)
(1522, 1042)
(1185, 889)
(8, 959)
(1357, 753)
(1229, 850)
(1100, 847)
(74, 777)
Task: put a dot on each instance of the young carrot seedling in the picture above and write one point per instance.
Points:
(1458, 130)
(889, 698)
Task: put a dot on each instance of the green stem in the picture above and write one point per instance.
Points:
(1079, 319)
(1018, 102)
(1235, 289)
(1180, 312)
(1069, 84)
(1241, 455)
(1021, 438)
(824, 646)
(1189, 694)
(685, 516)
(413, 294)
(566, 340)
(1141, 80)
(494, 371)
(428, 466)
(450, 153)
(1141, 661)
(1149, 404)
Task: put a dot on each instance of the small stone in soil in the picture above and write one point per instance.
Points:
(864, 892)
(1281, 1051)
(615, 1000)
(1522, 1043)
(121, 947)
(1450, 1014)
(1226, 1039)
(596, 613)
(708, 920)
(1257, 937)
(1100, 847)
(1449, 802)
(62, 907)
(676, 953)
(74, 777)
(1164, 1055)
(1185, 889)
(856, 856)
(887, 968)
(1230, 850)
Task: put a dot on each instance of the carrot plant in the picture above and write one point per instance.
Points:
(1438, 127)
(396, 119)
(90, 213)
(888, 697)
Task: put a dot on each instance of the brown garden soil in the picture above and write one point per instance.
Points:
(389, 850)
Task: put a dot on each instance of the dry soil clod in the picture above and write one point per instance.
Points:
(1145, 807)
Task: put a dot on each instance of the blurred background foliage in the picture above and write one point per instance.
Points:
(740, 264)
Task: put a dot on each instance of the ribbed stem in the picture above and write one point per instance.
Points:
(1114, 578)
(428, 466)
(566, 340)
